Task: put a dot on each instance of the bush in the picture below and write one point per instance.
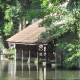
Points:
(71, 53)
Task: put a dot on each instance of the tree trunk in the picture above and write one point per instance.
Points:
(21, 24)
(21, 19)
(4, 43)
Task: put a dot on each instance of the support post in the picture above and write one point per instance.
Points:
(36, 61)
(29, 59)
(15, 52)
(37, 55)
(46, 55)
(46, 52)
(43, 53)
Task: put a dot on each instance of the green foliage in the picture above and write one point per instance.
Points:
(36, 13)
(46, 3)
(13, 12)
(71, 51)
(0, 44)
(11, 50)
(36, 4)
(1, 20)
(60, 21)
(8, 28)
(71, 62)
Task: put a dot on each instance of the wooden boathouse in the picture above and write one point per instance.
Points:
(29, 46)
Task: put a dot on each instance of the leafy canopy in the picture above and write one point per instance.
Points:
(64, 16)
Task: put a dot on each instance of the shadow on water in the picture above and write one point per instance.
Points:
(12, 70)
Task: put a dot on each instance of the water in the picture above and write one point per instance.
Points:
(12, 70)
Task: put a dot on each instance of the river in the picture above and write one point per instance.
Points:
(17, 70)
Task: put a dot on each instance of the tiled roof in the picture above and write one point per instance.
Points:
(28, 35)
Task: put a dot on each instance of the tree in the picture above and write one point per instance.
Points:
(13, 15)
(9, 11)
(63, 16)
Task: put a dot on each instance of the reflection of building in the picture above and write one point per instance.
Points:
(9, 70)
(41, 74)
(12, 68)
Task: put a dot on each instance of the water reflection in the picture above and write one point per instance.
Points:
(12, 70)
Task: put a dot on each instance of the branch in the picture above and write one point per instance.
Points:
(66, 4)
